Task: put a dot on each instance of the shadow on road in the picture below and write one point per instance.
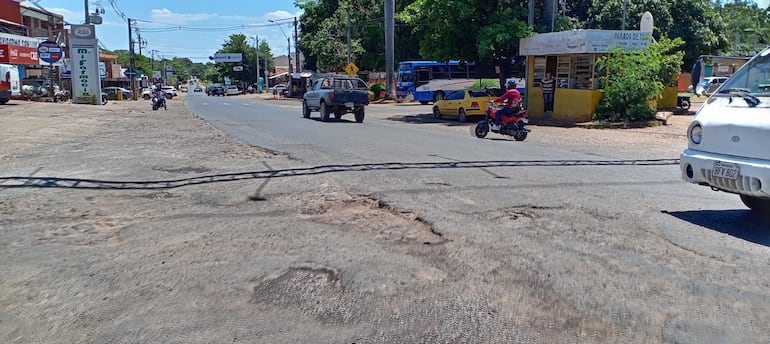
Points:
(332, 120)
(12, 182)
(429, 119)
(742, 224)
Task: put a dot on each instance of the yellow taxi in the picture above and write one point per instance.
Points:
(463, 103)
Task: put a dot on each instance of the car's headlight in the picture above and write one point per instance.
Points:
(696, 134)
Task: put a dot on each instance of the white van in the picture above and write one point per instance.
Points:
(10, 84)
(729, 138)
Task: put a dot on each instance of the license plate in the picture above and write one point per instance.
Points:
(725, 170)
(350, 105)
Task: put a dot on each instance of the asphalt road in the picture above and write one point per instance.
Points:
(623, 241)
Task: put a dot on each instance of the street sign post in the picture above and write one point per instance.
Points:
(49, 51)
(227, 57)
(351, 69)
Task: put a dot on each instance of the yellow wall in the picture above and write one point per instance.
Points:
(568, 104)
(668, 101)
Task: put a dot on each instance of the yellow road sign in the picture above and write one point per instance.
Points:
(351, 68)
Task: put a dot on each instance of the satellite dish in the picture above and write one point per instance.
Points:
(647, 22)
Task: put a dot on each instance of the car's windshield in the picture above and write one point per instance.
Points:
(754, 77)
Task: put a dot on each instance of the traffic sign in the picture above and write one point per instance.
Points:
(49, 51)
(129, 72)
(351, 68)
(237, 68)
(227, 57)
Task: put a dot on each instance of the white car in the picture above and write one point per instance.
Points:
(232, 90)
(729, 138)
(169, 91)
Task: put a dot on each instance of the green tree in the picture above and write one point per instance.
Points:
(237, 43)
(748, 26)
(634, 78)
(469, 30)
(325, 22)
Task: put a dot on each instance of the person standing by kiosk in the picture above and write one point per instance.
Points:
(548, 85)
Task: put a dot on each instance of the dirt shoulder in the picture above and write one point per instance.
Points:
(124, 225)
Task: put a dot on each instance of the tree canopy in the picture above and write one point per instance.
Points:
(489, 30)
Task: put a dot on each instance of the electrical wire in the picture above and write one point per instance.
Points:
(114, 4)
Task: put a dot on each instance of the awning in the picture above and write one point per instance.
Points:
(279, 75)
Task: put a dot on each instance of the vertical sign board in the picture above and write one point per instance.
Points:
(84, 55)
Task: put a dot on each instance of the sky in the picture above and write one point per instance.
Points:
(205, 24)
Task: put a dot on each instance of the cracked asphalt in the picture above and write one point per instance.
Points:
(250, 224)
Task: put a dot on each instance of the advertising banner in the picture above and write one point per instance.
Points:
(84, 59)
(14, 54)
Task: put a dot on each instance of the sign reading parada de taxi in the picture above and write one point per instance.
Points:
(86, 84)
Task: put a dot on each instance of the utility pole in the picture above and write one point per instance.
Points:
(139, 39)
(132, 59)
(256, 46)
(623, 21)
(87, 14)
(348, 17)
(389, 33)
(531, 13)
(296, 47)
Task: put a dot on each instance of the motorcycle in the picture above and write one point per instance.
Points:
(512, 125)
(158, 101)
(61, 96)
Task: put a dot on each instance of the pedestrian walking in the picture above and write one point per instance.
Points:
(548, 85)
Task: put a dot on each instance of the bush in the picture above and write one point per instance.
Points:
(376, 89)
(635, 79)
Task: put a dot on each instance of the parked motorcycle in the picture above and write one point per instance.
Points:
(61, 96)
(512, 125)
(158, 101)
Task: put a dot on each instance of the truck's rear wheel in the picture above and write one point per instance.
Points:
(359, 115)
(305, 110)
(324, 112)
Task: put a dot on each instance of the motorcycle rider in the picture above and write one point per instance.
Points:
(510, 98)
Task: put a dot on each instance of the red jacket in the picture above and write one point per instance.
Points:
(512, 96)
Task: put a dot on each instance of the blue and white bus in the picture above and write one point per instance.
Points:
(429, 81)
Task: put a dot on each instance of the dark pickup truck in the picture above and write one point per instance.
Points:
(336, 95)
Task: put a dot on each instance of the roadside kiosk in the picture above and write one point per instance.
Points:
(570, 57)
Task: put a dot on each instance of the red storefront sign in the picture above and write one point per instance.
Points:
(15, 54)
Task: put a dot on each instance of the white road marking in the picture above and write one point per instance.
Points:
(205, 103)
(225, 103)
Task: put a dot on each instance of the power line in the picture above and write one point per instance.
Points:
(114, 4)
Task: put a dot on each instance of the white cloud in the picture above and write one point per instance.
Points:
(166, 16)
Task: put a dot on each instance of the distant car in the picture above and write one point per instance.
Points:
(183, 88)
(170, 91)
(709, 85)
(215, 90)
(197, 89)
(278, 89)
(462, 103)
(112, 92)
(232, 91)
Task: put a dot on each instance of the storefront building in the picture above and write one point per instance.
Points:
(22, 28)
(570, 57)
(20, 51)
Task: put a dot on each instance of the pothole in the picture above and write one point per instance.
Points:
(368, 215)
(310, 288)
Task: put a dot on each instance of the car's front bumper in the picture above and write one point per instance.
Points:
(753, 178)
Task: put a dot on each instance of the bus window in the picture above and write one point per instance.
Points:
(423, 75)
(405, 76)
(440, 72)
(459, 72)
